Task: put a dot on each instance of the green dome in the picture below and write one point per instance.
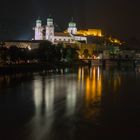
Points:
(49, 20)
(72, 24)
(38, 21)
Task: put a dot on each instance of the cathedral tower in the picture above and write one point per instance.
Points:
(38, 30)
(72, 29)
(50, 30)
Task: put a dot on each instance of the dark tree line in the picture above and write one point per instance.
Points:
(46, 52)
(56, 53)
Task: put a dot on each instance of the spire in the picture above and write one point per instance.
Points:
(72, 29)
(72, 19)
(38, 18)
(38, 22)
(50, 16)
(72, 23)
(50, 20)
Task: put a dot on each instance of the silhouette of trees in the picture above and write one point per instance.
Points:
(71, 53)
(86, 53)
(14, 54)
(46, 53)
(3, 54)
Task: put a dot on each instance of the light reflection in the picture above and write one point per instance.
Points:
(44, 96)
(67, 94)
(37, 96)
(117, 82)
(114, 79)
(49, 97)
(94, 86)
(71, 97)
(92, 90)
(81, 77)
(44, 105)
(95, 81)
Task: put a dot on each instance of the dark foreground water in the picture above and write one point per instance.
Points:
(83, 104)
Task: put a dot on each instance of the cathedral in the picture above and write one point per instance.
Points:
(47, 32)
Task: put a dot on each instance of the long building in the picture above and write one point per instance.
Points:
(71, 35)
(47, 32)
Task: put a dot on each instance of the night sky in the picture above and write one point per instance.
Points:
(120, 18)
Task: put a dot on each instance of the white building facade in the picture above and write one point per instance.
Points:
(38, 30)
(57, 37)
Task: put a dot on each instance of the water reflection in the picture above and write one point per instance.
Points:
(91, 79)
(62, 104)
(96, 83)
(44, 90)
(112, 80)
(93, 85)
(71, 97)
(13, 80)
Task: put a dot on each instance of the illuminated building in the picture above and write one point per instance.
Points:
(71, 35)
(38, 30)
(50, 30)
(72, 29)
(90, 32)
(55, 37)
(114, 40)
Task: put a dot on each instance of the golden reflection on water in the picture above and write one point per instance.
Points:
(117, 83)
(93, 82)
(96, 80)
(93, 85)
(92, 79)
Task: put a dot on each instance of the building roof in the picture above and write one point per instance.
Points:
(23, 41)
(80, 35)
(72, 24)
(61, 34)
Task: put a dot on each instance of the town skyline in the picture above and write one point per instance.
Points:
(118, 19)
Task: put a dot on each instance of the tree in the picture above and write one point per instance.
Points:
(86, 53)
(44, 51)
(71, 53)
(3, 53)
(14, 53)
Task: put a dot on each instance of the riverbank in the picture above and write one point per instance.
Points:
(37, 67)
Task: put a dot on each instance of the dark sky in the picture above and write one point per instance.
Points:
(120, 18)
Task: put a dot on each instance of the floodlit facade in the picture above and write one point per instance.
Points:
(71, 35)
(72, 29)
(38, 30)
(90, 32)
(50, 30)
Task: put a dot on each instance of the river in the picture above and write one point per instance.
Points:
(84, 103)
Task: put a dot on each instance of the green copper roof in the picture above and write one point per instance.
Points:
(72, 24)
(49, 20)
(38, 21)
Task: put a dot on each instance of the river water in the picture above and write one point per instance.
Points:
(84, 103)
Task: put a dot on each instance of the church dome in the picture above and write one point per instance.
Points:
(38, 21)
(49, 20)
(72, 24)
